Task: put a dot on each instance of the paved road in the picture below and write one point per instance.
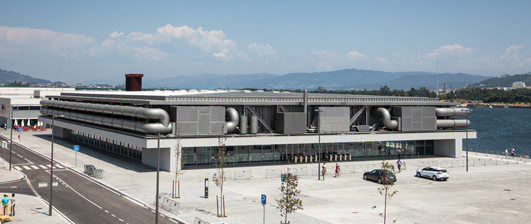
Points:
(81, 199)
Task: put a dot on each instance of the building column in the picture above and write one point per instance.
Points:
(448, 147)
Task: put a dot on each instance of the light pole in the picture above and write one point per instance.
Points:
(466, 142)
(157, 197)
(51, 172)
(319, 156)
(10, 137)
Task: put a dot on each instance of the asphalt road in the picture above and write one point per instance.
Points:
(80, 198)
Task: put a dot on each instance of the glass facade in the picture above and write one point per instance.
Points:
(204, 157)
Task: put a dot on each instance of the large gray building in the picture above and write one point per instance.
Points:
(256, 128)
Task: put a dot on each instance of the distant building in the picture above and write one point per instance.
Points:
(25, 104)
(518, 85)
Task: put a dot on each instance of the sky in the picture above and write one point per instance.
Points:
(100, 41)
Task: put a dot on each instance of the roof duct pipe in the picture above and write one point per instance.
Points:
(453, 123)
(233, 119)
(386, 116)
(452, 111)
(149, 128)
(139, 112)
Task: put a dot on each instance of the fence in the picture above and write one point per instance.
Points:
(358, 168)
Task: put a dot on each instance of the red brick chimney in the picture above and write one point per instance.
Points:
(133, 82)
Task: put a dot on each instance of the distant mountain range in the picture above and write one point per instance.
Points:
(338, 80)
(505, 80)
(10, 76)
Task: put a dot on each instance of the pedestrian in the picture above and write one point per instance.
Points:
(506, 153)
(399, 164)
(338, 170)
(5, 204)
(323, 170)
(513, 151)
(13, 204)
(398, 152)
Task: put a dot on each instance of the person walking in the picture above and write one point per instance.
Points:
(513, 151)
(5, 204)
(338, 170)
(506, 153)
(13, 204)
(323, 170)
(399, 164)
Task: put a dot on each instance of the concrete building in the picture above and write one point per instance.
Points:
(518, 85)
(256, 128)
(24, 102)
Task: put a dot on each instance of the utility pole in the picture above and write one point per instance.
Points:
(51, 171)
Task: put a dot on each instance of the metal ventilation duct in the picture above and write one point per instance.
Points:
(138, 126)
(233, 119)
(386, 116)
(453, 111)
(137, 112)
(440, 123)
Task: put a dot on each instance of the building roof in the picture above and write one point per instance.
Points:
(243, 97)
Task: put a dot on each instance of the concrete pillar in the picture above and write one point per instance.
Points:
(448, 147)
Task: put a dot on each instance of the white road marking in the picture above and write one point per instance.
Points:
(43, 166)
(26, 167)
(34, 167)
(121, 220)
(59, 166)
(48, 166)
(18, 168)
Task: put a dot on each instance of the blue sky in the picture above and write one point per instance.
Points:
(100, 41)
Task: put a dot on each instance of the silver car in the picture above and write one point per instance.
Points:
(434, 173)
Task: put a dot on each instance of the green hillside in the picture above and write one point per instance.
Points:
(504, 81)
(10, 76)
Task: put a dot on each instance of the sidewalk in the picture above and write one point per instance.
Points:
(29, 209)
(337, 200)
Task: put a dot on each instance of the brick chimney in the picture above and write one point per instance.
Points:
(133, 82)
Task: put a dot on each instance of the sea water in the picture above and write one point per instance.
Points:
(501, 128)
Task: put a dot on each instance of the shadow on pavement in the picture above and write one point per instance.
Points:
(106, 157)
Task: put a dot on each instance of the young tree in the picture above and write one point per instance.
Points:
(386, 188)
(290, 200)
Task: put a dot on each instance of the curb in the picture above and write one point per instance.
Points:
(114, 190)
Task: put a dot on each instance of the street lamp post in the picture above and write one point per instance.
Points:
(158, 169)
(51, 172)
(11, 138)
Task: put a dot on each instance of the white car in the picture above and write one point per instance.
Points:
(434, 173)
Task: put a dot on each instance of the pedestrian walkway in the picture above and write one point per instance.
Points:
(36, 167)
(29, 209)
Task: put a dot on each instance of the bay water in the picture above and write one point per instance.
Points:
(501, 128)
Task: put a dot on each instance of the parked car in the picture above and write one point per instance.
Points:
(381, 176)
(434, 173)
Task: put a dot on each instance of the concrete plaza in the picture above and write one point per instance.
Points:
(495, 190)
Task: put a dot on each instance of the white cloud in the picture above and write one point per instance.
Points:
(451, 50)
(17, 41)
(514, 49)
(261, 49)
(356, 54)
(116, 34)
(381, 60)
(321, 52)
